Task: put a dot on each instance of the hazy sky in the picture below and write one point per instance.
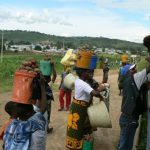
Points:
(116, 19)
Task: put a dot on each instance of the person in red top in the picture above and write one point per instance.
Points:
(64, 92)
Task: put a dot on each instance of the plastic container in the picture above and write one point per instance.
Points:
(88, 144)
(22, 87)
(69, 81)
(69, 58)
(45, 68)
(124, 58)
(99, 116)
(93, 62)
(83, 59)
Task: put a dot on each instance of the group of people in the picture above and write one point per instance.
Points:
(29, 123)
(133, 87)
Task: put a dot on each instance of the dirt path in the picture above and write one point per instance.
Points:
(105, 139)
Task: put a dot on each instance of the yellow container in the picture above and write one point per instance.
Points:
(83, 59)
(124, 58)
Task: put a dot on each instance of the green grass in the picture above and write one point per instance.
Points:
(12, 62)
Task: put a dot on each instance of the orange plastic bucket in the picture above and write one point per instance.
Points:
(22, 87)
(83, 59)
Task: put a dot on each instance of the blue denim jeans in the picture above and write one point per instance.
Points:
(128, 126)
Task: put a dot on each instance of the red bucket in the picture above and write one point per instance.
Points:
(22, 87)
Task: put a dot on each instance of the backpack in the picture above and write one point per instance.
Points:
(141, 101)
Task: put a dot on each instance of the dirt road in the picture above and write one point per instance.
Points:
(105, 139)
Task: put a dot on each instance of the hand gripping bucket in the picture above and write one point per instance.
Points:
(93, 62)
(83, 59)
(45, 67)
(22, 87)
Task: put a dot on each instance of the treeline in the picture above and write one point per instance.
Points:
(28, 37)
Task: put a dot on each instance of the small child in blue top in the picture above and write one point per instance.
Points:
(27, 131)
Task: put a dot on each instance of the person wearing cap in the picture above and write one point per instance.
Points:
(130, 109)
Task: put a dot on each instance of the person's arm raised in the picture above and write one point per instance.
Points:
(54, 75)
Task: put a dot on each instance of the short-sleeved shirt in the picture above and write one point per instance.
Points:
(82, 90)
(18, 134)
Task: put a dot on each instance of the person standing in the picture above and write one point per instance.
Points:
(130, 107)
(27, 131)
(63, 91)
(50, 79)
(105, 71)
(78, 110)
(120, 77)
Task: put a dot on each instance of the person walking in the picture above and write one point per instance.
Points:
(78, 110)
(131, 106)
(105, 71)
(63, 91)
(28, 130)
(50, 79)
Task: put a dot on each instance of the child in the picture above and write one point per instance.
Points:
(10, 108)
(78, 110)
(64, 91)
(28, 130)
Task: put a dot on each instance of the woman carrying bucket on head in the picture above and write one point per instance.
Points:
(80, 103)
(48, 69)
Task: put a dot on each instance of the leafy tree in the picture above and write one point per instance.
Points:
(38, 47)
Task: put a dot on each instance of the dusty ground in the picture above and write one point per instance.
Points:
(105, 139)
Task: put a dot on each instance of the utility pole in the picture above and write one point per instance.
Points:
(63, 45)
(2, 48)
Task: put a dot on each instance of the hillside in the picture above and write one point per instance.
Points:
(72, 42)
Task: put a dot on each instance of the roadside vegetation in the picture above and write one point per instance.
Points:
(12, 62)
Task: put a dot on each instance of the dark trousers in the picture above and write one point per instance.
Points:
(48, 112)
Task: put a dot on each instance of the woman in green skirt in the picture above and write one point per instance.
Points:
(78, 110)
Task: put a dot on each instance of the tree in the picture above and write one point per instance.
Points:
(38, 47)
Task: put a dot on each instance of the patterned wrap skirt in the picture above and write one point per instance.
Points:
(76, 124)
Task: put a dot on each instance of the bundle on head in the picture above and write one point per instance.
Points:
(30, 65)
(146, 42)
